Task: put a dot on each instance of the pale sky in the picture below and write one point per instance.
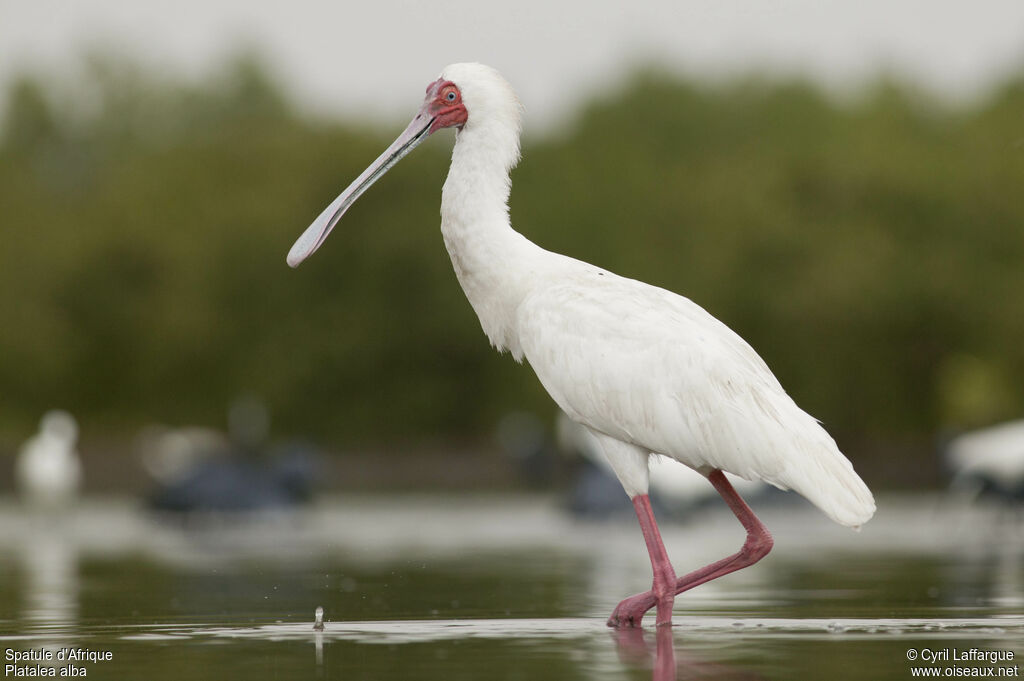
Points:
(376, 56)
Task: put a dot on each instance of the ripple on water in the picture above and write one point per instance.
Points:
(419, 631)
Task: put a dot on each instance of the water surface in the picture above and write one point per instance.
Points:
(504, 588)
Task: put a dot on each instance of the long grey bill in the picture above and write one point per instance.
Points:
(316, 233)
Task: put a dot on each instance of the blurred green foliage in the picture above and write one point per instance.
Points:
(872, 251)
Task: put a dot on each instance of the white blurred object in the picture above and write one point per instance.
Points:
(48, 469)
(170, 454)
(676, 484)
(989, 460)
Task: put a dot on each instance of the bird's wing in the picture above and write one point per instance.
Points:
(651, 368)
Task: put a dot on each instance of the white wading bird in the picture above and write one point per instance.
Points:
(48, 469)
(645, 370)
(989, 461)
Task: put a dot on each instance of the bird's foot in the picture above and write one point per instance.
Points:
(630, 612)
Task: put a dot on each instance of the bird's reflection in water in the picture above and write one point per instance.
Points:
(318, 642)
(51, 584)
(635, 649)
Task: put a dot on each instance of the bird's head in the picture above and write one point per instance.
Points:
(59, 424)
(488, 98)
(468, 97)
(444, 106)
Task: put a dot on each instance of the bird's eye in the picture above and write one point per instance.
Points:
(450, 96)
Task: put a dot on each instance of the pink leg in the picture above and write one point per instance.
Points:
(662, 591)
(630, 612)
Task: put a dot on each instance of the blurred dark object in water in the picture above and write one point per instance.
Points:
(988, 463)
(169, 454)
(240, 482)
(202, 470)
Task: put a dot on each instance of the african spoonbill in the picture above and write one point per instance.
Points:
(646, 371)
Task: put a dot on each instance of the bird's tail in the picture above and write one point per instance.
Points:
(826, 478)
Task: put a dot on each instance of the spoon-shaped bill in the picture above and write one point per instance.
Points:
(317, 232)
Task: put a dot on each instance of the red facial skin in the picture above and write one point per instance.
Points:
(446, 105)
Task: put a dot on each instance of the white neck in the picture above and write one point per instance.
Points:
(494, 264)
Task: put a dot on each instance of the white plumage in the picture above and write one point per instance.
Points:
(678, 487)
(648, 371)
(48, 469)
(645, 370)
(654, 372)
